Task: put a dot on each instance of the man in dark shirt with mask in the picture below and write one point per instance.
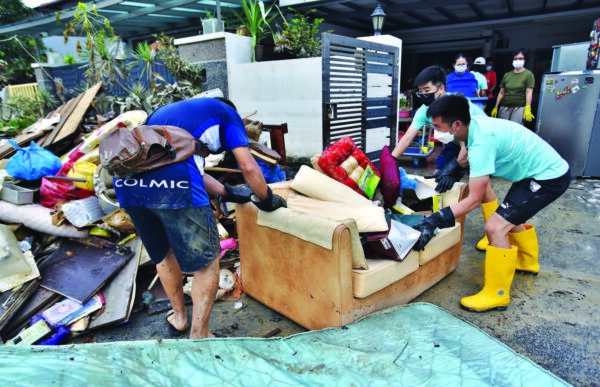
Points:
(432, 84)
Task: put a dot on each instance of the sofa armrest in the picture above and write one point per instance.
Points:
(303, 281)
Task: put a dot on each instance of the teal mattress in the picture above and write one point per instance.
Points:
(414, 345)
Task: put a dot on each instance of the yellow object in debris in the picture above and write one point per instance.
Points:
(424, 149)
(84, 169)
(127, 239)
(100, 232)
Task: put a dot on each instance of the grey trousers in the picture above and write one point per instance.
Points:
(512, 114)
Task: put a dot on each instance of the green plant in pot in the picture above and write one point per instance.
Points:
(210, 24)
(257, 21)
(299, 37)
(403, 107)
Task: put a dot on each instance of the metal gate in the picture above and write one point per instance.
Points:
(360, 92)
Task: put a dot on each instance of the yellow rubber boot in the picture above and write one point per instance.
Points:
(499, 272)
(488, 209)
(527, 244)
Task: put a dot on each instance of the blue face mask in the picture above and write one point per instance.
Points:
(489, 68)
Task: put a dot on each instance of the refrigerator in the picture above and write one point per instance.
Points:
(569, 118)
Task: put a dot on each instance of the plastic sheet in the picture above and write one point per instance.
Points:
(417, 344)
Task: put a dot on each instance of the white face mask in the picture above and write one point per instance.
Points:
(444, 137)
(518, 64)
(460, 69)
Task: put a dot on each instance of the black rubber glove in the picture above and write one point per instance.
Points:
(271, 203)
(441, 219)
(237, 194)
(447, 176)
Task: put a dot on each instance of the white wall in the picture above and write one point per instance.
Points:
(288, 91)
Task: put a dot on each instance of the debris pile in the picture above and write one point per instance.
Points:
(69, 256)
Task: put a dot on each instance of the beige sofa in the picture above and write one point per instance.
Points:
(317, 287)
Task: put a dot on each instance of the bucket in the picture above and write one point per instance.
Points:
(403, 113)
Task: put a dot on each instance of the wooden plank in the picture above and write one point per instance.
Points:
(40, 299)
(12, 300)
(219, 169)
(65, 110)
(77, 115)
(79, 271)
(119, 292)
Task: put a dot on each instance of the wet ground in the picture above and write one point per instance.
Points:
(554, 318)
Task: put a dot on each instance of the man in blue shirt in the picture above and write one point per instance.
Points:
(170, 209)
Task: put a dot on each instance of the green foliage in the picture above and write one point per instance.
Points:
(147, 55)
(300, 36)
(101, 46)
(149, 100)
(69, 59)
(182, 70)
(19, 52)
(13, 11)
(20, 112)
(256, 19)
(3, 69)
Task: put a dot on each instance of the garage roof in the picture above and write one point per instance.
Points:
(139, 18)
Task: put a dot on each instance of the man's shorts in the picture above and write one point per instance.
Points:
(191, 232)
(527, 197)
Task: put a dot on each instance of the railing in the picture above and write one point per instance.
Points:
(73, 77)
(26, 90)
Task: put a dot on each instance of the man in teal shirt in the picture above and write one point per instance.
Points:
(510, 151)
(431, 83)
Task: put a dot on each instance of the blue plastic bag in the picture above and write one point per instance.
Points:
(32, 163)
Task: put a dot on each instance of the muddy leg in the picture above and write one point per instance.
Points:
(204, 290)
(172, 280)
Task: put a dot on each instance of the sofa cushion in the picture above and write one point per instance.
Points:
(382, 273)
(316, 185)
(445, 239)
(369, 218)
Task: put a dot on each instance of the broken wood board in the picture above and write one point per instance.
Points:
(74, 119)
(12, 300)
(40, 299)
(35, 131)
(78, 271)
(66, 111)
(119, 292)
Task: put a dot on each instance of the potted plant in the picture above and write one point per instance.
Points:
(210, 24)
(403, 107)
(257, 21)
(300, 37)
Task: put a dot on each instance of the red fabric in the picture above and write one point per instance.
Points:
(53, 191)
(491, 80)
(336, 154)
(390, 180)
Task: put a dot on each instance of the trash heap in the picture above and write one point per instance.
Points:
(69, 255)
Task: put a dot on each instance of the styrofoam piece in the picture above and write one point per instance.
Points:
(83, 212)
